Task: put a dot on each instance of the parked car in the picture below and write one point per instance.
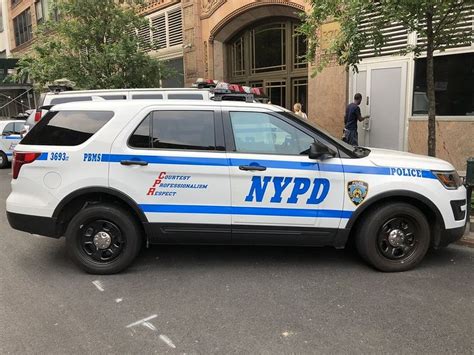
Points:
(111, 176)
(10, 136)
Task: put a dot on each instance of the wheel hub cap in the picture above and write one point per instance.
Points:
(102, 240)
(396, 238)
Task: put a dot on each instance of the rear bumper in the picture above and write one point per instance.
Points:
(45, 226)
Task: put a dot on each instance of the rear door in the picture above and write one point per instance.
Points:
(172, 163)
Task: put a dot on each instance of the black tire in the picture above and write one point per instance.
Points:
(116, 225)
(3, 160)
(393, 237)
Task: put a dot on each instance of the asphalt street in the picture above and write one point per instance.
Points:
(209, 300)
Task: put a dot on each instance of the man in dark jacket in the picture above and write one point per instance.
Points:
(351, 118)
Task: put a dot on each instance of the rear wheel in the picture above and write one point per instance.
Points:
(103, 239)
(3, 160)
(393, 237)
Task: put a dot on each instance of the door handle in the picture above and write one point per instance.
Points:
(134, 162)
(252, 167)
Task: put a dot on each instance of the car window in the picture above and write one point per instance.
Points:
(141, 137)
(183, 130)
(192, 130)
(65, 99)
(67, 128)
(147, 97)
(19, 127)
(185, 97)
(9, 129)
(257, 132)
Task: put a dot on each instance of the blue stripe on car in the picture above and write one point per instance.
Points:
(272, 164)
(250, 211)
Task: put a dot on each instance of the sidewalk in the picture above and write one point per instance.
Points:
(468, 237)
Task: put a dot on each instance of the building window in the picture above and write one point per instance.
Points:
(15, 2)
(22, 27)
(268, 47)
(453, 85)
(39, 8)
(238, 57)
(272, 56)
(164, 29)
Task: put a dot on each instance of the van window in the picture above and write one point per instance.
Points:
(185, 96)
(67, 128)
(65, 99)
(147, 97)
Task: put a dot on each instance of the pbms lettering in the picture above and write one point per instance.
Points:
(318, 188)
(92, 157)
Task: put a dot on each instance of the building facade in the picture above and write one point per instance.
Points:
(255, 43)
(252, 43)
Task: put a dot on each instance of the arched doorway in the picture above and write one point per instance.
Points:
(270, 54)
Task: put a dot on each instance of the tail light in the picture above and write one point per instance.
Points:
(38, 115)
(20, 159)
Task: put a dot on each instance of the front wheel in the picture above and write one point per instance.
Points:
(103, 239)
(393, 237)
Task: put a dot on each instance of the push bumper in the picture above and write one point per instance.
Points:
(45, 226)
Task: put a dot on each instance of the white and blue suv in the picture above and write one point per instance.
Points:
(111, 176)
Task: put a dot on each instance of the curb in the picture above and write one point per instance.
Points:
(467, 241)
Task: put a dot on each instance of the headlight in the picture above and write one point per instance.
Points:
(449, 179)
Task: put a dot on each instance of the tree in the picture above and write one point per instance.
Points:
(435, 21)
(94, 44)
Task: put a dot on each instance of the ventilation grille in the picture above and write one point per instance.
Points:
(163, 30)
(395, 37)
(158, 27)
(175, 27)
(464, 25)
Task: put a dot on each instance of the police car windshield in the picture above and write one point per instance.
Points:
(358, 151)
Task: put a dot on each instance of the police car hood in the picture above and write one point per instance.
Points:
(386, 157)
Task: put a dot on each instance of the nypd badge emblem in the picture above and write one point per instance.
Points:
(357, 191)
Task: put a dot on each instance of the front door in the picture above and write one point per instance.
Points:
(172, 163)
(382, 88)
(274, 182)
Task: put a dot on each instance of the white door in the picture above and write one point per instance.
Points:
(383, 98)
(274, 182)
(172, 164)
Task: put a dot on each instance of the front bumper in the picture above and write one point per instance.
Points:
(45, 226)
(448, 236)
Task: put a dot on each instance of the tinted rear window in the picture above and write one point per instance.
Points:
(67, 128)
(185, 97)
(63, 100)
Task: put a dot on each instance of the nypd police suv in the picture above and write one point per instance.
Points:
(111, 176)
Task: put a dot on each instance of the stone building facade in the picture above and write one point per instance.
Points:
(253, 42)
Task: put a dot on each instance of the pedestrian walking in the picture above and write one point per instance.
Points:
(351, 118)
(298, 111)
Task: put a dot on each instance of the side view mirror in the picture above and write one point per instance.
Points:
(320, 151)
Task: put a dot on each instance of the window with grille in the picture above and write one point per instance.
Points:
(163, 30)
(22, 27)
